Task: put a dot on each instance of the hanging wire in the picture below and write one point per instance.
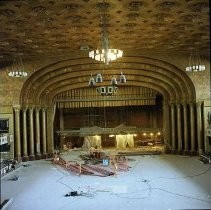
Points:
(104, 105)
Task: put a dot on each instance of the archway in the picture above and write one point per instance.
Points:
(41, 92)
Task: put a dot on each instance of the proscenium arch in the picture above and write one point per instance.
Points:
(143, 84)
(70, 83)
(172, 82)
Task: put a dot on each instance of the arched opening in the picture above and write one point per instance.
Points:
(158, 94)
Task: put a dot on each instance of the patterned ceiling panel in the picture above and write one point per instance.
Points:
(43, 28)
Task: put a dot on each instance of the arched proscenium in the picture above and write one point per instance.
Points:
(140, 71)
(41, 89)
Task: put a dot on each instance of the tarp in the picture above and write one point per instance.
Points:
(92, 141)
(122, 141)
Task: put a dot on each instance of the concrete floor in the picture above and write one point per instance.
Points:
(153, 182)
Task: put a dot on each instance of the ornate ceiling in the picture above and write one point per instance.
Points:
(56, 28)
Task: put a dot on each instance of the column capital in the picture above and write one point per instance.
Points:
(37, 108)
(199, 103)
(17, 108)
(184, 103)
(25, 108)
(50, 107)
(43, 109)
(31, 110)
(191, 102)
(172, 105)
(178, 105)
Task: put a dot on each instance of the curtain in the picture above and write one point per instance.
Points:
(122, 141)
(92, 141)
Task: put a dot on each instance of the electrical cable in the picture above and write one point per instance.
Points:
(81, 193)
(183, 177)
(150, 188)
(64, 175)
(181, 195)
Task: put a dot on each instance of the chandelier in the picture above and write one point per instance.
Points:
(105, 54)
(106, 90)
(106, 57)
(17, 69)
(195, 64)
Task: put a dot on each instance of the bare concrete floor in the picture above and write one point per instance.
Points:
(153, 182)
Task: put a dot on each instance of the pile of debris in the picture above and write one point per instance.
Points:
(95, 157)
(7, 165)
(96, 163)
(205, 158)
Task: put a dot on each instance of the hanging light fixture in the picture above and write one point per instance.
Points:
(105, 54)
(106, 90)
(17, 69)
(195, 64)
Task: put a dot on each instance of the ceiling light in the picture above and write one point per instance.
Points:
(17, 69)
(195, 63)
(106, 89)
(105, 54)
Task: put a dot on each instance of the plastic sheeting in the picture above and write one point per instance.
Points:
(92, 141)
(123, 141)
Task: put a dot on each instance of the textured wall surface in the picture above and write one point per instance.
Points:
(10, 87)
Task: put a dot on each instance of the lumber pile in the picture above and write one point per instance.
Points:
(120, 163)
(99, 171)
(81, 168)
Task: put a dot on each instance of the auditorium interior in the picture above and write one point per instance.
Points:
(105, 100)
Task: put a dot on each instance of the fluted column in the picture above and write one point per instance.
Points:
(166, 126)
(44, 139)
(192, 129)
(31, 124)
(173, 128)
(199, 127)
(179, 128)
(62, 137)
(37, 116)
(50, 136)
(185, 120)
(25, 150)
(17, 133)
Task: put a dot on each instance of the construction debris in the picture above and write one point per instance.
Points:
(76, 193)
(98, 171)
(73, 193)
(7, 165)
(82, 168)
(205, 158)
(14, 178)
(107, 165)
(26, 165)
